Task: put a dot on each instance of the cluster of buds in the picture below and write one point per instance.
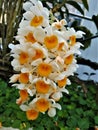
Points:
(44, 59)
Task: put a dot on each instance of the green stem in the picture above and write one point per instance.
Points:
(58, 6)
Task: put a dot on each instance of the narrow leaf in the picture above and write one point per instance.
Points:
(85, 3)
(76, 5)
(95, 20)
(92, 74)
(85, 73)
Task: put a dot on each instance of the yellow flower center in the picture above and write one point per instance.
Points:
(72, 40)
(23, 95)
(60, 46)
(36, 21)
(30, 38)
(38, 54)
(44, 69)
(42, 87)
(24, 78)
(23, 58)
(42, 105)
(58, 25)
(69, 59)
(32, 114)
(51, 41)
(62, 82)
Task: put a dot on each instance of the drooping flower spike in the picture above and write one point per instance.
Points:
(44, 59)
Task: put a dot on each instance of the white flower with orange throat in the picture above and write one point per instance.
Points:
(44, 59)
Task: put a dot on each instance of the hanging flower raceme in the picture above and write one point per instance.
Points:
(44, 59)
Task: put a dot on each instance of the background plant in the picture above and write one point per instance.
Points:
(79, 110)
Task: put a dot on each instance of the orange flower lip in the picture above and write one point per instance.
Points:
(69, 59)
(60, 46)
(24, 78)
(42, 105)
(38, 54)
(36, 21)
(44, 69)
(32, 114)
(30, 38)
(23, 95)
(62, 82)
(72, 40)
(23, 58)
(51, 41)
(42, 87)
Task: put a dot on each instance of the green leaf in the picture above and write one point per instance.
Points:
(79, 111)
(72, 122)
(83, 124)
(16, 123)
(82, 101)
(87, 35)
(85, 3)
(76, 5)
(39, 128)
(96, 120)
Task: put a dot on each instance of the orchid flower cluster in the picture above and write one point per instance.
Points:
(44, 59)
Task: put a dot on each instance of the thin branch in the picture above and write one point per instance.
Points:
(80, 16)
(89, 38)
(89, 63)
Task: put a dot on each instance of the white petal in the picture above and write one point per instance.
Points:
(52, 112)
(31, 92)
(28, 15)
(24, 23)
(57, 105)
(79, 34)
(57, 95)
(55, 66)
(20, 86)
(34, 1)
(14, 78)
(36, 62)
(24, 107)
(61, 76)
(39, 34)
(25, 70)
(68, 82)
(15, 64)
(27, 5)
(65, 90)
(11, 46)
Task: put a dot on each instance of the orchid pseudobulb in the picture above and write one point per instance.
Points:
(44, 59)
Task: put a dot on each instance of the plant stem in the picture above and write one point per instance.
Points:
(58, 6)
(89, 38)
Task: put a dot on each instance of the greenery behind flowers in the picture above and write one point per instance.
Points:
(79, 110)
